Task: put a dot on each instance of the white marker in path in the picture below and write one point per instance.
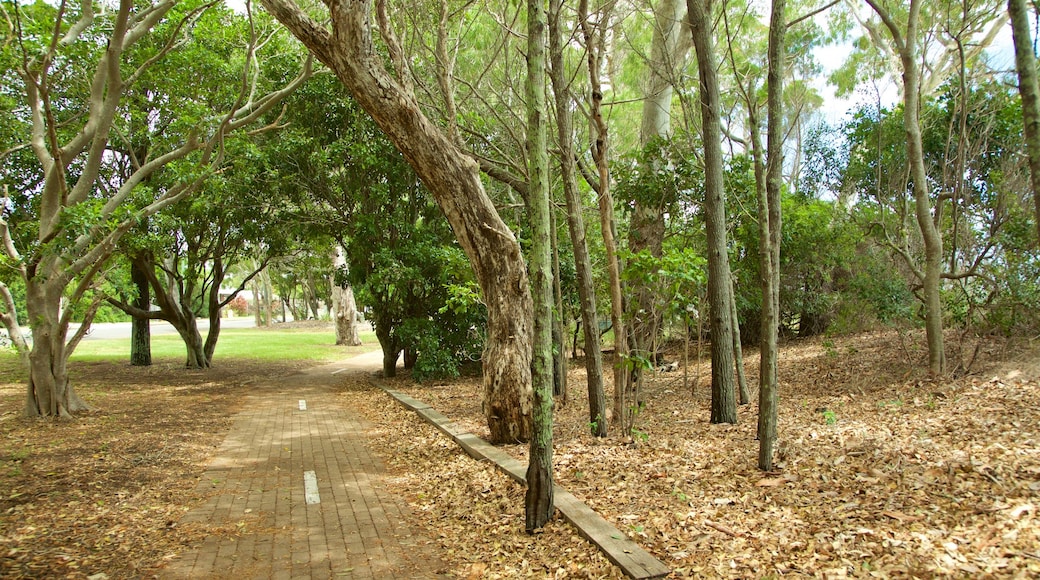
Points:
(310, 488)
(338, 371)
(303, 405)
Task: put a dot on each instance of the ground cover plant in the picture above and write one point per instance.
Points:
(880, 474)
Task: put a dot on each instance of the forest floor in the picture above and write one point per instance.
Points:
(881, 473)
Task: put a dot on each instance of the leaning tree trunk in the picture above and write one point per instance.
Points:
(454, 180)
(576, 228)
(1029, 89)
(595, 46)
(723, 393)
(9, 318)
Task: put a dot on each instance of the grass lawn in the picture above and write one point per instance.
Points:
(281, 343)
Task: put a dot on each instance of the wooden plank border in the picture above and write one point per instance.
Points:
(633, 560)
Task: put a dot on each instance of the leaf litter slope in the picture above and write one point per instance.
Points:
(880, 474)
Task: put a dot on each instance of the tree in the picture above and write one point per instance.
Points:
(576, 224)
(769, 219)
(193, 246)
(647, 227)
(905, 42)
(1029, 89)
(453, 178)
(539, 499)
(594, 34)
(723, 394)
(73, 211)
(344, 308)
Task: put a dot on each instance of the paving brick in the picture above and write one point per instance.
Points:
(254, 520)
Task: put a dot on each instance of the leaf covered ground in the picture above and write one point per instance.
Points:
(881, 474)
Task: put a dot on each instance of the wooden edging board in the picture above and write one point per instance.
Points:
(633, 560)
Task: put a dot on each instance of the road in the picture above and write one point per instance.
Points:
(121, 330)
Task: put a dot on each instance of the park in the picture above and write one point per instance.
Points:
(493, 290)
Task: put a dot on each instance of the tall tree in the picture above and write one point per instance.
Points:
(576, 224)
(905, 43)
(79, 212)
(539, 498)
(723, 392)
(594, 33)
(1029, 89)
(769, 216)
(349, 50)
(647, 227)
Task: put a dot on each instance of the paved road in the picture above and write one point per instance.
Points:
(107, 330)
(121, 330)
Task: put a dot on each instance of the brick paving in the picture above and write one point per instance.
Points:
(255, 513)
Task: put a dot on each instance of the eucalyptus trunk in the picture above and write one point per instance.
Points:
(538, 502)
(594, 34)
(349, 50)
(1029, 89)
(723, 393)
(576, 228)
(769, 228)
(344, 308)
(931, 276)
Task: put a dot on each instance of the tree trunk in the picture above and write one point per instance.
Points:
(49, 392)
(538, 502)
(268, 291)
(723, 393)
(391, 350)
(454, 180)
(576, 228)
(769, 230)
(931, 278)
(646, 230)
(188, 328)
(1029, 89)
(9, 318)
(140, 327)
(559, 354)
(738, 352)
(624, 411)
(258, 311)
(344, 309)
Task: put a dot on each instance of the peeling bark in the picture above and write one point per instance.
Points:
(453, 178)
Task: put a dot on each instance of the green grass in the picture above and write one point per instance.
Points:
(235, 343)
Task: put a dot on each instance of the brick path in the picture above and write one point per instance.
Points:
(257, 514)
